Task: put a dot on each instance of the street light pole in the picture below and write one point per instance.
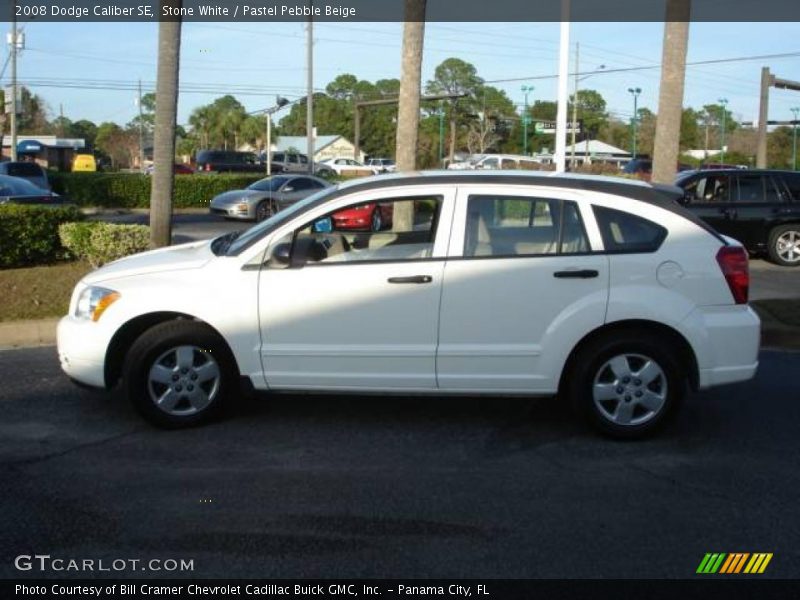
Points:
(14, 107)
(635, 93)
(440, 113)
(723, 103)
(795, 112)
(526, 89)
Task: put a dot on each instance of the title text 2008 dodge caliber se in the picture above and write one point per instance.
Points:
(604, 292)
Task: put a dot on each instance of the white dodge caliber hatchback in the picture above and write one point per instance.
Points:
(603, 292)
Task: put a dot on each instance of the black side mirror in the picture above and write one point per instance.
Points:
(282, 254)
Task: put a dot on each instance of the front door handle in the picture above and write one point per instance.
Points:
(581, 274)
(411, 279)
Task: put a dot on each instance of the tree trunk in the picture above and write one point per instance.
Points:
(670, 101)
(409, 102)
(169, 46)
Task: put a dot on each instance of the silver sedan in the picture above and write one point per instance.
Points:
(264, 198)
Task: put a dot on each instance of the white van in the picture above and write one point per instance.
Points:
(498, 161)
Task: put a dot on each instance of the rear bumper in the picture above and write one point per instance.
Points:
(726, 341)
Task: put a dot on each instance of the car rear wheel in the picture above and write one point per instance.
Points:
(178, 374)
(784, 245)
(627, 384)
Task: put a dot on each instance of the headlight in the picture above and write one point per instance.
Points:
(93, 302)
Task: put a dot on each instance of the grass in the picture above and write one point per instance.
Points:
(39, 292)
(787, 311)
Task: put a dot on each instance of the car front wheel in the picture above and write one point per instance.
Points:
(179, 374)
(784, 245)
(627, 384)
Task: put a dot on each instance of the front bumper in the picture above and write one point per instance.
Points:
(233, 212)
(82, 350)
(726, 340)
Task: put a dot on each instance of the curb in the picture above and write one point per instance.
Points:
(104, 212)
(24, 334)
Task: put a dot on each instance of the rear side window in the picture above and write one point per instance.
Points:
(518, 226)
(626, 233)
(751, 189)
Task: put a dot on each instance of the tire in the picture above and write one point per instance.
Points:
(627, 384)
(784, 245)
(376, 221)
(185, 364)
(264, 210)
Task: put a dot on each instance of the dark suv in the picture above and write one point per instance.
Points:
(228, 161)
(760, 208)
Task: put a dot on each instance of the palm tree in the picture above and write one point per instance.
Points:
(409, 102)
(670, 100)
(169, 49)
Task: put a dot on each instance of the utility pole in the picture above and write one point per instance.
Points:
(441, 114)
(141, 129)
(14, 40)
(763, 116)
(310, 86)
(796, 113)
(635, 93)
(60, 119)
(723, 102)
(575, 104)
(563, 94)
(268, 145)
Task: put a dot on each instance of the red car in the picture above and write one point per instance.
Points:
(366, 217)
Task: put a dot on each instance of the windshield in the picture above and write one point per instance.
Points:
(476, 159)
(268, 184)
(14, 186)
(256, 232)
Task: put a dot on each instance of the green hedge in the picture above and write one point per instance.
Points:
(132, 190)
(100, 243)
(29, 234)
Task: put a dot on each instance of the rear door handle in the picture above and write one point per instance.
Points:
(581, 274)
(411, 279)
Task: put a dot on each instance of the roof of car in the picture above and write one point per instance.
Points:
(630, 188)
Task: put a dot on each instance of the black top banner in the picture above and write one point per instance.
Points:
(394, 10)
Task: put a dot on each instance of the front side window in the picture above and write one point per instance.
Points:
(712, 188)
(624, 232)
(519, 226)
(397, 229)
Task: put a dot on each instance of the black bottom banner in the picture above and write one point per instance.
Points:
(489, 589)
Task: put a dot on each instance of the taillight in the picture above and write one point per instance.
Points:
(208, 167)
(733, 263)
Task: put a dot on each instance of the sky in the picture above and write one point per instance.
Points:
(256, 61)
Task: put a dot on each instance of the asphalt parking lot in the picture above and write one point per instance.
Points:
(339, 486)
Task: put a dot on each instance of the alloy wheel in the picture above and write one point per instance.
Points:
(630, 389)
(184, 380)
(787, 246)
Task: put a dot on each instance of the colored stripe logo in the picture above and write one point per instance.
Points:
(734, 563)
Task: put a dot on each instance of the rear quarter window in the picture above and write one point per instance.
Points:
(624, 232)
(793, 183)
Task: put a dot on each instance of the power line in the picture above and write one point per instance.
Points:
(656, 66)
